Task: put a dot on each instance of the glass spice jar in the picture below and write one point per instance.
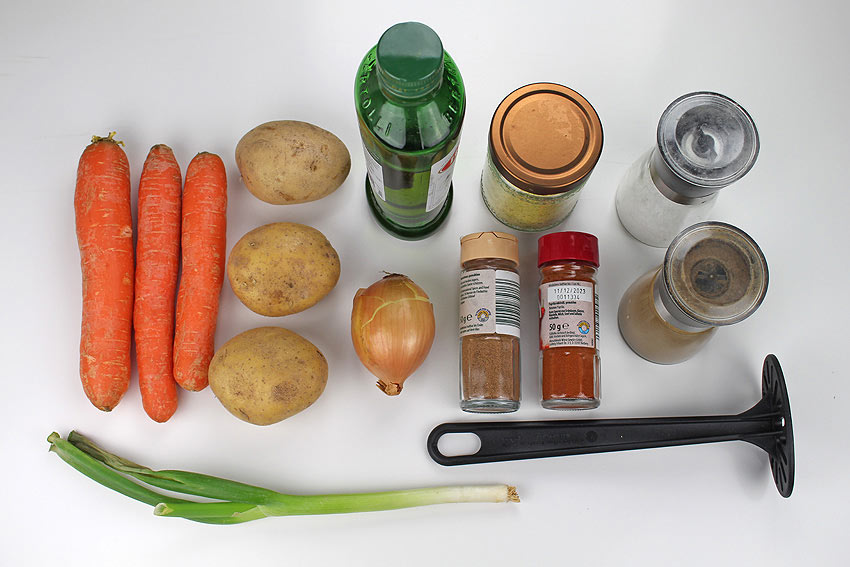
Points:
(713, 275)
(569, 320)
(489, 323)
(705, 141)
(544, 142)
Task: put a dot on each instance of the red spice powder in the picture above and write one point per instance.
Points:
(569, 374)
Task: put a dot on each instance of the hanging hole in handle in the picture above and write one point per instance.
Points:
(458, 444)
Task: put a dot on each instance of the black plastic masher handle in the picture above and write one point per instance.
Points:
(767, 425)
(508, 441)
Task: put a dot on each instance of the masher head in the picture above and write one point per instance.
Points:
(775, 393)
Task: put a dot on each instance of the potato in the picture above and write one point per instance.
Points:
(282, 268)
(286, 162)
(265, 375)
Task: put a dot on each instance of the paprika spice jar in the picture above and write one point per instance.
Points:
(569, 320)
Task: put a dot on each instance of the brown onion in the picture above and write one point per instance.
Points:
(392, 328)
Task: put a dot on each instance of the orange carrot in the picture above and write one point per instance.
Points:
(157, 262)
(105, 236)
(204, 231)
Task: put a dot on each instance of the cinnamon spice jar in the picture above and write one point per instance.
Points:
(569, 320)
(489, 323)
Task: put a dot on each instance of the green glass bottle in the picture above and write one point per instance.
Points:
(410, 104)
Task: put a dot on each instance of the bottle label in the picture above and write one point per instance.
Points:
(441, 179)
(489, 302)
(375, 173)
(569, 315)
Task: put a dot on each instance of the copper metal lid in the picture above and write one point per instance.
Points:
(545, 138)
(489, 245)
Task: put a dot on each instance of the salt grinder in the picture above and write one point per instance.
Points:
(705, 141)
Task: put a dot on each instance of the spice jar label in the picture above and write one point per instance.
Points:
(375, 174)
(441, 179)
(489, 302)
(567, 315)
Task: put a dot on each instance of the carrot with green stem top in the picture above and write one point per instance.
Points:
(157, 263)
(105, 236)
(204, 250)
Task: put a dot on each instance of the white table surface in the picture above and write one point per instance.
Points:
(198, 75)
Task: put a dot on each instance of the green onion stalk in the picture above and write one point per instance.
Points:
(236, 502)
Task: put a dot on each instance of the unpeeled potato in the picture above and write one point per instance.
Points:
(282, 268)
(267, 374)
(285, 162)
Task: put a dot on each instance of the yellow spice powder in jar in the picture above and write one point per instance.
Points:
(545, 139)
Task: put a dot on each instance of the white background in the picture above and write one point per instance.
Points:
(198, 75)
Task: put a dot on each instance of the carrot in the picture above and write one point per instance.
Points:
(105, 236)
(157, 262)
(203, 232)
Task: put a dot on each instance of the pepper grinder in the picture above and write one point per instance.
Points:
(705, 141)
(713, 275)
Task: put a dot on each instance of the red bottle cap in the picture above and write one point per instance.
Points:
(578, 246)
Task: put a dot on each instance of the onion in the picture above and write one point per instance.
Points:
(392, 327)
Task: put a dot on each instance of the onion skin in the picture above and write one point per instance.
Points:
(392, 328)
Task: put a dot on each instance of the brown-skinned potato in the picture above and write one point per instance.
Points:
(282, 268)
(267, 374)
(286, 162)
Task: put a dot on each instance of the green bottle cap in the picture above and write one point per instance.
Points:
(410, 60)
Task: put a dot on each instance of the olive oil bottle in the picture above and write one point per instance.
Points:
(410, 104)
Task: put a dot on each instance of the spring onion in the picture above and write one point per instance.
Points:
(238, 502)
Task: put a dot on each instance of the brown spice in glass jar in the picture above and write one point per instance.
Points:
(489, 367)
